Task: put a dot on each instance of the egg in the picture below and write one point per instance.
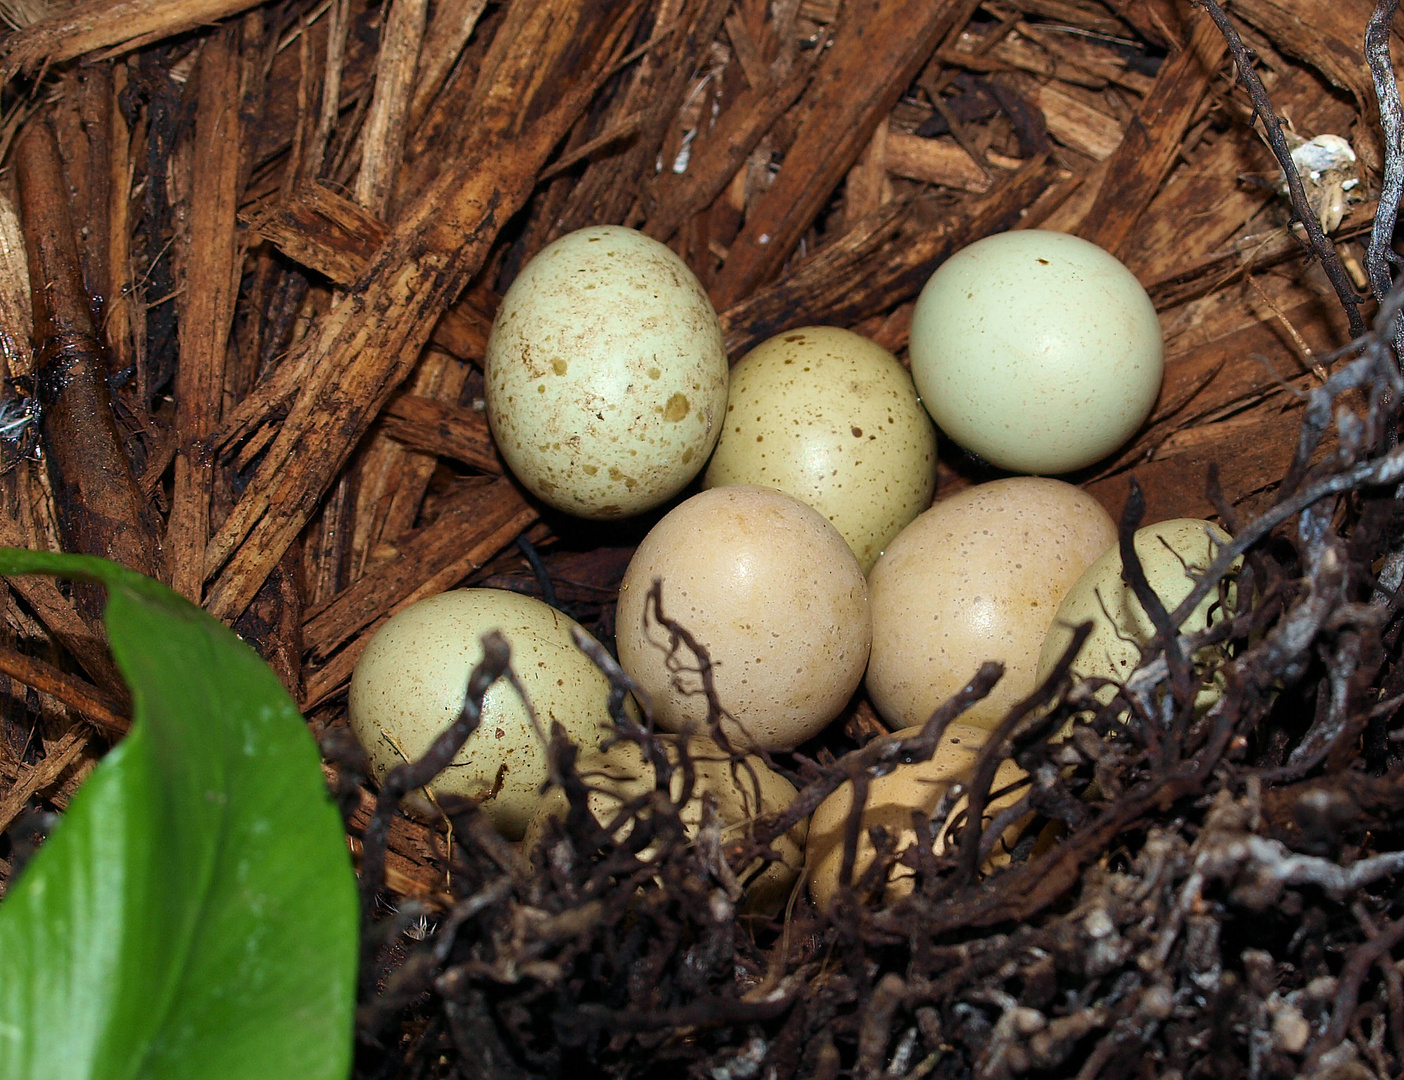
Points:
(1174, 554)
(833, 419)
(410, 681)
(977, 577)
(1037, 350)
(771, 590)
(910, 788)
(741, 795)
(605, 374)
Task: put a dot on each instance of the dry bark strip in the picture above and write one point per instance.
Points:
(104, 712)
(883, 259)
(207, 306)
(428, 561)
(1327, 36)
(367, 344)
(101, 509)
(394, 83)
(115, 25)
(333, 236)
(1153, 139)
(674, 198)
(879, 48)
(68, 749)
(430, 426)
(610, 187)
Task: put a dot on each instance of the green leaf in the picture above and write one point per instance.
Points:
(194, 914)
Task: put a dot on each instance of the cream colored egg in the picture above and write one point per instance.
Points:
(741, 795)
(1174, 554)
(833, 419)
(774, 594)
(911, 788)
(1037, 350)
(410, 682)
(605, 374)
(977, 577)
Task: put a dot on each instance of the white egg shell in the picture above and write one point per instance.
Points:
(775, 595)
(914, 787)
(621, 774)
(410, 683)
(605, 374)
(1174, 554)
(833, 419)
(1037, 350)
(977, 577)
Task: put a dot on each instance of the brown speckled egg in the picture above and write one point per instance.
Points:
(977, 577)
(410, 681)
(605, 374)
(774, 594)
(833, 419)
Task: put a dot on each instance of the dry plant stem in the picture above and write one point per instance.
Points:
(878, 49)
(406, 778)
(1381, 252)
(101, 510)
(115, 25)
(881, 752)
(366, 346)
(1324, 250)
(104, 712)
(211, 268)
(1352, 976)
(992, 754)
(83, 123)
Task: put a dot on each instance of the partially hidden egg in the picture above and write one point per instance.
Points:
(977, 577)
(605, 375)
(911, 788)
(742, 793)
(1037, 350)
(773, 593)
(833, 419)
(409, 685)
(1174, 555)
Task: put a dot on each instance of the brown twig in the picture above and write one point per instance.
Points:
(1324, 250)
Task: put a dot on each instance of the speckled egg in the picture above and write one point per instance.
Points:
(1037, 350)
(771, 590)
(410, 682)
(605, 374)
(912, 787)
(1173, 554)
(833, 419)
(977, 577)
(741, 795)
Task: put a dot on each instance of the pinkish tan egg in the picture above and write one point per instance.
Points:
(977, 577)
(774, 594)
